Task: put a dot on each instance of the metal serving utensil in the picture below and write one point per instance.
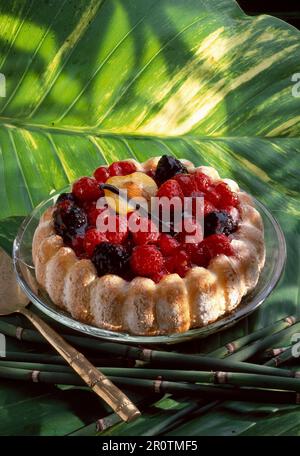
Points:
(12, 300)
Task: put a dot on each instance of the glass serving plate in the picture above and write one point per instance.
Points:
(271, 273)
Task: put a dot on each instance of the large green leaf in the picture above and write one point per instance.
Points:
(88, 82)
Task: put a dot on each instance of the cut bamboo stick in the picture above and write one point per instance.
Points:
(281, 358)
(237, 344)
(217, 378)
(178, 360)
(162, 387)
(47, 358)
(267, 342)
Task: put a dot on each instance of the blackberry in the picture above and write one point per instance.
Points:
(65, 197)
(69, 220)
(168, 167)
(219, 222)
(110, 259)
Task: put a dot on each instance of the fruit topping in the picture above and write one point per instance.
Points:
(203, 182)
(227, 197)
(86, 189)
(147, 232)
(110, 259)
(199, 254)
(170, 189)
(65, 197)
(138, 186)
(208, 206)
(119, 239)
(179, 262)
(218, 244)
(167, 244)
(117, 229)
(222, 197)
(219, 222)
(121, 168)
(167, 168)
(159, 275)
(187, 183)
(69, 221)
(92, 214)
(147, 261)
(92, 238)
(101, 174)
(78, 245)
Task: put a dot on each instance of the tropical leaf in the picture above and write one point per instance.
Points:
(89, 82)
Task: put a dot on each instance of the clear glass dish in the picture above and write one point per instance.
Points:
(271, 273)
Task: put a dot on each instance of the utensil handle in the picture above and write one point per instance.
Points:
(98, 382)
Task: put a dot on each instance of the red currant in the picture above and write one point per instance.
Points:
(101, 174)
(86, 189)
(121, 168)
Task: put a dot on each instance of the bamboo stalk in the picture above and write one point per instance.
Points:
(267, 342)
(47, 358)
(175, 360)
(237, 344)
(281, 358)
(271, 353)
(161, 387)
(35, 367)
(222, 378)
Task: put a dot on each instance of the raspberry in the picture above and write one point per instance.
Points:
(199, 254)
(167, 244)
(146, 261)
(178, 262)
(187, 183)
(121, 168)
(191, 231)
(170, 189)
(118, 234)
(208, 207)
(213, 197)
(222, 197)
(101, 174)
(93, 214)
(150, 236)
(69, 221)
(92, 238)
(86, 189)
(217, 244)
(91, 211)
(227, 197)
(167, 168)
(203, 182)
(110, 259)
(159, 275)
(65, 197)
(78, 245)
(219, 222)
